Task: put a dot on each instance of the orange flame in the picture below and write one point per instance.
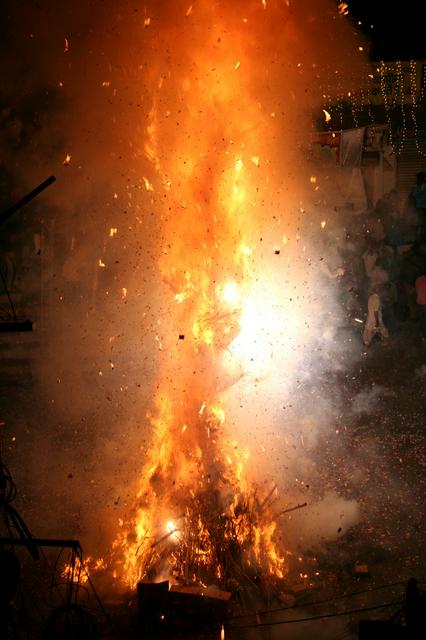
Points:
(213, 183)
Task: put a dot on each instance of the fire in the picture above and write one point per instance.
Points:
(195, 479)
(213, 141)
(77, 571)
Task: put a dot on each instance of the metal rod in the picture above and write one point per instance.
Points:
(3, 279)
(298, 506)
(23, 201)
(15, 326)
(40, 542)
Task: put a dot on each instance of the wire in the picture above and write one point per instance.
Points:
(3, 278)
(319, 617)
(316, 602)
(98, 600)
(8, 486)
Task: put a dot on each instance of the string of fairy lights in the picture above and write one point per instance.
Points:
(398, 87)
(400, 91)
(413, 85)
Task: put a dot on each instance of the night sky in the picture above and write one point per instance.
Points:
(395, 29)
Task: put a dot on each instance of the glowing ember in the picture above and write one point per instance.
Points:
(327, 115)
(343, 8)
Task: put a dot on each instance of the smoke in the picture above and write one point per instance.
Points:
(111, 86)
(328, 519)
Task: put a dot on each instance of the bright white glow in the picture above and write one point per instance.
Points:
(172, 530)
(271, 323)
(231, 294)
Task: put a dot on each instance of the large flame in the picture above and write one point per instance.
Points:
(212, 138)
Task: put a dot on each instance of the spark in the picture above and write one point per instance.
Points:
(66, 45)
(343, 8)
(147, 22)
(113, 232)
(67, 159)
(101, 263)
(148, 185)
(323, 223)
(327, 115)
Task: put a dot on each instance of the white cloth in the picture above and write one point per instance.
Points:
(351, 145)
(374, 323)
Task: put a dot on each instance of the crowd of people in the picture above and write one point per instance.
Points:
(382, 270)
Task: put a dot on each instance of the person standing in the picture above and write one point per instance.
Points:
(417, 199)
(374, 324)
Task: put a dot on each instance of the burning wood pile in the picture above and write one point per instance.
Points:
(229, 544)
(198, 520)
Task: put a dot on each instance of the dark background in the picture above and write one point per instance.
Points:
(396, 30)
